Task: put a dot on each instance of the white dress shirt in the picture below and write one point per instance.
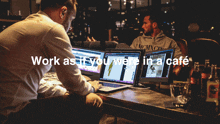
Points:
(37, 35)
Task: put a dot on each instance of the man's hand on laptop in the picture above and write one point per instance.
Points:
(95, 84)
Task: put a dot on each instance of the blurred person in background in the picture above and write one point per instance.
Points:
(154, 39)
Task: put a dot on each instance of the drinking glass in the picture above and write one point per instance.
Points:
(180, 92)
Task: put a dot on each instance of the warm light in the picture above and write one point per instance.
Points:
(117, 23)
(122, 13)
(172, 22)
(88, 30)
(136, 18)
(125, 19)
(212, 28)
(37, 1)
(139, 3)
(123, 23)
(131, 2)
(173, 33)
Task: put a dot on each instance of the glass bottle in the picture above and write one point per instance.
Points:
(212, 92)
(204, 78)
(195, 81)
(213, 86)
(190, 69)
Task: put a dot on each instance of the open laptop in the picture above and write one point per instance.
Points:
(86, 61)
(157, 67)
(119, 70)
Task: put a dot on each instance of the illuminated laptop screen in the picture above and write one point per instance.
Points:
(86, 59)
(120, 67)
(155, 68)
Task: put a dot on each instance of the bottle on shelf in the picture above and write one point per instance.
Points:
(115, 38)
(211, 106)
(190, 68)
(213, 85)
(195, 81)
(204, 78)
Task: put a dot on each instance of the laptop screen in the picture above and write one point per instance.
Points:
(86, 59)
(155, 67)
(120, 66)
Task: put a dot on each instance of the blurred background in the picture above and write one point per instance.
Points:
(123, 18)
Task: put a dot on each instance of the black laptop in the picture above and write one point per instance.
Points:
(157, 66)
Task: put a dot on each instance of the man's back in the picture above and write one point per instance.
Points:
(19, 76)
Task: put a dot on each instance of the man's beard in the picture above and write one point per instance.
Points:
(148, 33)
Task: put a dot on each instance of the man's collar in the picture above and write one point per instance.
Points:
(43, 13)
(161, 34)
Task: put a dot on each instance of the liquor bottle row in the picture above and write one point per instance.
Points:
(204, 86)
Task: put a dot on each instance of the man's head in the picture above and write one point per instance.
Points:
(61, 11)
(151, 24)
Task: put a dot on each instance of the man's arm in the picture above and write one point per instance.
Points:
(177, 52)
(56, 43)
(48, 89)
(134, 44)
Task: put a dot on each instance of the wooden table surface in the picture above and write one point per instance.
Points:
(141, 104)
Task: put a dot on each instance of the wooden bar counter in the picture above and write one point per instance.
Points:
(148, 106)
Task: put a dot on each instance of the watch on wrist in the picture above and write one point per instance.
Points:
(93, 89)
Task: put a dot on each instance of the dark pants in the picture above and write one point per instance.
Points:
(57, 110)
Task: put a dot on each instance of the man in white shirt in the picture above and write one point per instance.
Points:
(42, 35)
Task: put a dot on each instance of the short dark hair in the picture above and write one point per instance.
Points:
(57, 3)
(156, 17)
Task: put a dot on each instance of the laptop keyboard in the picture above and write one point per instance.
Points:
(110, 84)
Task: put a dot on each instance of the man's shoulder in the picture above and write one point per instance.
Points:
(41, 20)
(167, 39)
(139, 38)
